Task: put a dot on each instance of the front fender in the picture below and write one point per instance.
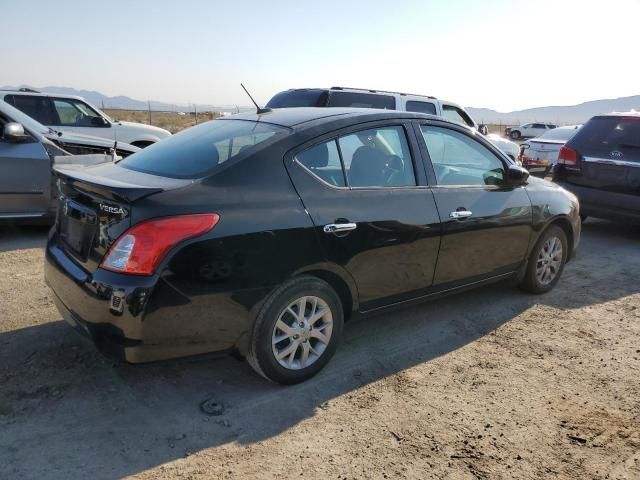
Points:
(553, 204)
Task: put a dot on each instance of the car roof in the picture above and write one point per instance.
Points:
(631, 113)
(300, 117)
(40, 94)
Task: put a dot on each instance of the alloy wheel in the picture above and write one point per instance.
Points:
(302, 332)
(549, 261)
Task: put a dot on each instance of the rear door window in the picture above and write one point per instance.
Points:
(198, 151)
(421, 107)
(377, 157)
(614, 137)
(361, 100)
(38, 108)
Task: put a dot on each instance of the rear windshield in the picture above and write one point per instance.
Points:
(361, 100)
(561, 133)
(611, 137)
(200, 150)
(299, 98)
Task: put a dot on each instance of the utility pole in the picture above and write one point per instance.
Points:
(149, 105)
(195, 109)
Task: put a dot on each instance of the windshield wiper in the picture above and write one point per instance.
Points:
(628, 145)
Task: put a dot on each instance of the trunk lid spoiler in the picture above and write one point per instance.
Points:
(111, 181)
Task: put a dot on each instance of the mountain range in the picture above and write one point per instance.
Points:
(561, 115)
(127, 103)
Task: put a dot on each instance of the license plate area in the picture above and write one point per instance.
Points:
(78, 225)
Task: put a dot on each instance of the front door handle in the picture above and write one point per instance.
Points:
(339, 227)
(460, 214)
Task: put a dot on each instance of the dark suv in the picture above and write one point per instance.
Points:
(601, 165)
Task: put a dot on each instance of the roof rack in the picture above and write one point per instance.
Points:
(383, 91)
(21, 89)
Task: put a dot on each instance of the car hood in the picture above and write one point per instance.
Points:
(81, 139)
(141, 127)
(503, 143)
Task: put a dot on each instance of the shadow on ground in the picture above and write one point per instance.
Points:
(66, 412)
(20, 237)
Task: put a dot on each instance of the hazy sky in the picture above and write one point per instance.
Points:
(499, 54)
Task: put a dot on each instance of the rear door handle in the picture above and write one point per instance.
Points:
(339, 227)
(460, 214)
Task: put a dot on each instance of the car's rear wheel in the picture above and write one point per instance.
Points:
(297, 331)
(546, 261)
(515, 134)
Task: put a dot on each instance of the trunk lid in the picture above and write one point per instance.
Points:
(608, 149)
(95, 205)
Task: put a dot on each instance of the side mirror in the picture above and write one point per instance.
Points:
(517, 175)
(99, 122)
(14, 132)
(483, 129)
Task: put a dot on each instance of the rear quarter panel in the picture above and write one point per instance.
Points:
(211, 289)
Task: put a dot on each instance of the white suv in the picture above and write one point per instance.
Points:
(68, 113)
(361, 98)
(529, 130)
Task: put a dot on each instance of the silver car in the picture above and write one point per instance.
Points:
(27, 152)
(540, 154)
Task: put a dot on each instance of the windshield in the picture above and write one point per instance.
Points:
(299, 98)
(561, 133)
(27, 122)
(200, 150)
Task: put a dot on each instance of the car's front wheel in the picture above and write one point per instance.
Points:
(546, 261)
(297, 331)
(515, 135)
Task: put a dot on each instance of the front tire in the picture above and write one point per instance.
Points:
(546, 261)
(515, 135)
(297, 331)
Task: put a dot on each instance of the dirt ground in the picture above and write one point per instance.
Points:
(487, 384)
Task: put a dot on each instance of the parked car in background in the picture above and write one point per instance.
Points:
(27, 153)
(362, 98)
(529, 130)
(601, 166)
(264, 232)
(540, 154)
(71, 114)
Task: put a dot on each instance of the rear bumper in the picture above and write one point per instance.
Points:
(151, 321)
(604, 204)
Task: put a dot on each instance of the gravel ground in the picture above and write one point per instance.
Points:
(487, 384)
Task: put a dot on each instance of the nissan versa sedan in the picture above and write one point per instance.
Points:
(263, 233)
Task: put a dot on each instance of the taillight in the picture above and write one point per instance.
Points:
(141, 248)
(567, 156)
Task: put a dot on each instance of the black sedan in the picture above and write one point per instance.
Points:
(263, 233)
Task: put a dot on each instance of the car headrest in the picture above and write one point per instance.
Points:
(315, 157)
(367, 168)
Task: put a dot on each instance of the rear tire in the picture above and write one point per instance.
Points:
(297, 331)
(546, 261)
(515, 135)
